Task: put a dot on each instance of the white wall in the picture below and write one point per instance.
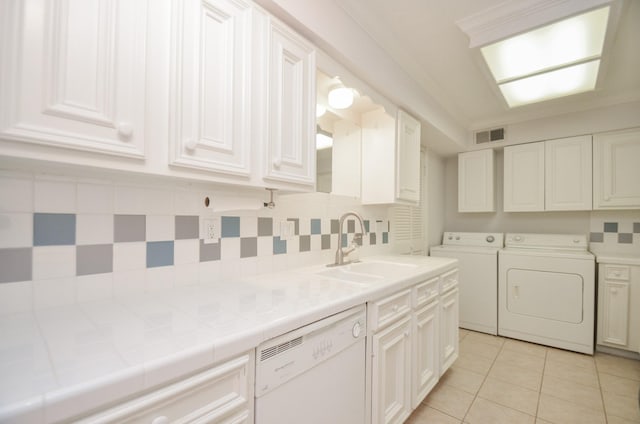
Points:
(435, 198)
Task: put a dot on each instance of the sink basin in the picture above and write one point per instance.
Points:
(344, 274)
(383, 269)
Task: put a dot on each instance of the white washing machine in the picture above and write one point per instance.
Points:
(546, 290)
(478, 276)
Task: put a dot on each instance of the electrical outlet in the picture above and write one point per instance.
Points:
(287, 230)
(211, 233)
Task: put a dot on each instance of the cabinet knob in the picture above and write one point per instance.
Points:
(125, 129)
(277, 163)
(613, 290)
(191, 144)
(160, 420)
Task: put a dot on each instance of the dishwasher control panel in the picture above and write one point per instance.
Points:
(280, 359)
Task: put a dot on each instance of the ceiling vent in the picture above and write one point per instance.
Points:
(488, 136)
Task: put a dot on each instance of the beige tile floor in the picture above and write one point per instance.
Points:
(498, 380)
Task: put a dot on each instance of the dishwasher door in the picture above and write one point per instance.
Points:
(314, 375)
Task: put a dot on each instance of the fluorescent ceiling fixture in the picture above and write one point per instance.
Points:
(550, 85)
(530, 62)
(340, 97)
(323, 141)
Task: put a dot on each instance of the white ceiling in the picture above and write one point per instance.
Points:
(423, 38)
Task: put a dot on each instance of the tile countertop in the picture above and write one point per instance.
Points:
(61, 362)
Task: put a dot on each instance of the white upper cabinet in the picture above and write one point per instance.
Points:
(524, 177)
(408, 158)
(290, 109)
(390, 158)
(73, 76)
(616, 170)
(568, 174)
(210, 98)
(476, 181)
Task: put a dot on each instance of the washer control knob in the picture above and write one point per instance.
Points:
(490, 239)
(457, 237)
(450, 238)
(355, 331)
(517, 238)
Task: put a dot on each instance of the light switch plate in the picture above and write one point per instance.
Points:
(287, 230)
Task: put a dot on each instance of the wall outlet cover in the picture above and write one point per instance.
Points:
(211, 231)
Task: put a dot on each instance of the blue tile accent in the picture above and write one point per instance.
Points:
(230, 226)
(279, 246)
(159, 253)
(366, 225)
(54, 229)
(316, 227)
(610, 227)
(385, 238)
(344, 240)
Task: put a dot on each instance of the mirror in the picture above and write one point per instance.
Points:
(339, 140)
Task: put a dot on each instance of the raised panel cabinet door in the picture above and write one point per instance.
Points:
(615, 319)
(475, 181)
(449, 318)
(568, 171)
(408, 158)
(73, 74)
(524, 177)
(426, 352)
(391, 391)
(210, 95)
(291, 116)
(616, 172)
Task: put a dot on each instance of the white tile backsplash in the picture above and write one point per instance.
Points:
(94, 229)
(16, 194)
(160, 227)
(16, 229)
(54, 196)
(129, 256)
(186, 251)
(54, 262)
(95, 198)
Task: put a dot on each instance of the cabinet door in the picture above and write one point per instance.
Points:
(568, 174)
(615, 314)
(391, 391)
(408, 158)
(475, 181)
(524, 177)
(426, 352)
(210, 85)
(449, 330)
(616, 172)
(73, 75)
(291, 107)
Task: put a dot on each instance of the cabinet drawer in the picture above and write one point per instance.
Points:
(223, 394)
(449, 280)
(389, 309)
(426, 292)
(616, 272)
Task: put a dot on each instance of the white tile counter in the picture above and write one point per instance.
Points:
(58, 363)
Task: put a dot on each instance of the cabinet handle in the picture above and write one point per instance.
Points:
(191, 144)
(125, 129)
(160, 420)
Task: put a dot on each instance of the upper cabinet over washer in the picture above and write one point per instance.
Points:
(73, 76)
(616, 170)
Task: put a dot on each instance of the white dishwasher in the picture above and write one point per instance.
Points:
(315, 374)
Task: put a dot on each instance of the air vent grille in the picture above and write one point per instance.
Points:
(487, 136)
(272, 351)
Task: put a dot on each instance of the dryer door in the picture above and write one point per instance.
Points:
(548, 295)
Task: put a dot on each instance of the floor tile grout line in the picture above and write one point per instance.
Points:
(544, 366)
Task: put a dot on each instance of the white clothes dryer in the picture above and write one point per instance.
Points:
(477, 254)
(546, 290)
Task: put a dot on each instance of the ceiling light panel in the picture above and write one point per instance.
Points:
(556, 45)
(550, 85)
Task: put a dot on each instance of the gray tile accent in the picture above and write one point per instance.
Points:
(625, 238)
(159, 253)
(279, 246)
(248, 247)
(265, 227)
(596, 237)
(325, 241)
(335, 226)
(187, 227)
(94, 259)
(636, 227)
(351, 226)
(610, 227)
(316, 226)
(16, 264)
(372, 238)
(230, 226)
(129, 228)
(296, 224)
(54, 229)
(210, 251)
(305, 243)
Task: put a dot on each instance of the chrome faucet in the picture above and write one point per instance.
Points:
(340, 252)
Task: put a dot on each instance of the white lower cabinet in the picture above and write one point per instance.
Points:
(220, 395)
(408, 345)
